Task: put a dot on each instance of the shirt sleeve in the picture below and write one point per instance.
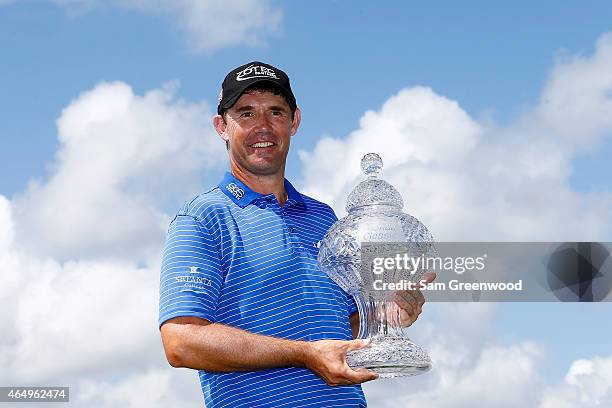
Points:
(191, 273)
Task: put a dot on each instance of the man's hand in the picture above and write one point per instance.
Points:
(410, 302)
(327, 358)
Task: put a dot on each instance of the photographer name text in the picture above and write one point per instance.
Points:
(454, 285)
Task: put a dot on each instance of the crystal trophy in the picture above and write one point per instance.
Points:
(376, 226)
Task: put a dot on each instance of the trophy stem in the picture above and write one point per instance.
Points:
(389, 353)
(381, 311)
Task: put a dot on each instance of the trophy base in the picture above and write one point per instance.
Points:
(391, 357)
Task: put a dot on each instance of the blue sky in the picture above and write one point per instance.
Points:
(344, 58)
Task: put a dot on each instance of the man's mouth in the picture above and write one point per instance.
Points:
(262, 144)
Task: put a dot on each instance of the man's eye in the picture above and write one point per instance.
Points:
(246, 114)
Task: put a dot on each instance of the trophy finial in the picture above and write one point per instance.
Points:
(371, 164)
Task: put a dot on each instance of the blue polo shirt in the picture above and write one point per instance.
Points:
(237, 257)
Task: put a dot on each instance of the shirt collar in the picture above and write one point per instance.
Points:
(293, 194)
(242, 195)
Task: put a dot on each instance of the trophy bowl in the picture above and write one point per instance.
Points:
(376, 227)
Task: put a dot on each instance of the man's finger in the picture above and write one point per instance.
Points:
(409, 297)
(419, 297)
(429, 277)
(407, 307)
(406, 295)
(406, 318)
(361, 375)
(357, 344)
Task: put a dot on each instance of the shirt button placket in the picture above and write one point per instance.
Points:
(294, 239)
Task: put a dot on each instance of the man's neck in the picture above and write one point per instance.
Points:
(263, 184)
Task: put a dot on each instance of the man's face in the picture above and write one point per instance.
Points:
(258, 128)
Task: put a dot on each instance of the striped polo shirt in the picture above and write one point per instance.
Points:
(236, 257)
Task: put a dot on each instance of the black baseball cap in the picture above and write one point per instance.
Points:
(243, 77)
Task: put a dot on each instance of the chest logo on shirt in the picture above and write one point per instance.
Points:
(235, 190)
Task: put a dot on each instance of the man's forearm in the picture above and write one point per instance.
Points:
(221, 348)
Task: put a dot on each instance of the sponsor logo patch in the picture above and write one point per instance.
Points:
(193, 282)
(255, 71)
(235, 190)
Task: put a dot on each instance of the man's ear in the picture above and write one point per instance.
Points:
(297, 118)
(220, 126)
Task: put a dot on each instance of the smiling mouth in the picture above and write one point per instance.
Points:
(262, 144)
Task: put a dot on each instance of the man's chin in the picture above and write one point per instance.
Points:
(265, 169)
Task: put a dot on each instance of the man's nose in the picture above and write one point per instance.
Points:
(262, 122)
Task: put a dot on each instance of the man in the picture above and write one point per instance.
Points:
(242, 299)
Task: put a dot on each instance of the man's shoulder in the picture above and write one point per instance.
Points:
(205, 203)
(315, 205)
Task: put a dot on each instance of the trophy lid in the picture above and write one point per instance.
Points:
(373, 190)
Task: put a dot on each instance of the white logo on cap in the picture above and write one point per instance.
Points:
(255, 71)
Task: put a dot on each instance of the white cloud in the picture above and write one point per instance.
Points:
(122, 157)
(500, 377)
(152, 388)
(208, 24)
(60, 321)
(471, 369)
(80, 309)
(440, 132)
(473, 181)
(93, 317)
(76, 307)
(469, 180)
(7, 232)
(10, 276)
(79, 252)
(577, 101)
(588, 383)
(468, 367)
